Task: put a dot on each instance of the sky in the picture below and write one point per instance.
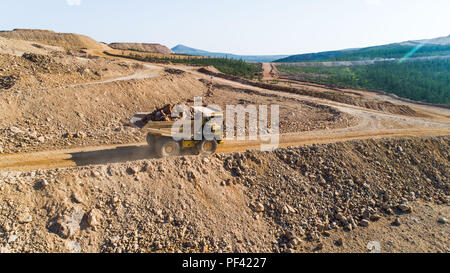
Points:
(251, 27)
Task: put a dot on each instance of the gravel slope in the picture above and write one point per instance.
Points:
(282, 201)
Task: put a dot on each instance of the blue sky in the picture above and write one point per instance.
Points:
(241, 27)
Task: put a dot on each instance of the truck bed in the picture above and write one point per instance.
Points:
(163, 128)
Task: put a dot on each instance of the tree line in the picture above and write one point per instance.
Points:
(424, 80)
(384, 52)
(233, 67)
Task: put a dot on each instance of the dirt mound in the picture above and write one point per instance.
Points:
(64, 40)
(35, 71)
(41, 60)
(174, 71)
(19, 47)
(154, 48)
(283, 201)
(39, 71)
(209, 69)
(7, 82)
(83, 115)
(389, 107)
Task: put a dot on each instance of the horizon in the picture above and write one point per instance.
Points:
(329, 26)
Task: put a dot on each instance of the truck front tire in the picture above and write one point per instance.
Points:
(207, 147)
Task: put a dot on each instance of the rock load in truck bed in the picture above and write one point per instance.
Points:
(162, 114)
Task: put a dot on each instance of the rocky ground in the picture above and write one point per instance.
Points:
(423, 230)
(85, 114)
(295, 115)
(313, 198)
(35, 71)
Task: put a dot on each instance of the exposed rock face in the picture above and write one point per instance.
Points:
(156, 48)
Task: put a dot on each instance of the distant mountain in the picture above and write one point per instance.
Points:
(420, 48)
(182, 49)
(435, 41)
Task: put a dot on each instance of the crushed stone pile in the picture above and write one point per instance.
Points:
(281, 201)
(163, 114)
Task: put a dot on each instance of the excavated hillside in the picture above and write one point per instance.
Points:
(292, 200)
(75, 176)
(55, 69)
(86, 114)
(145, 47)
(19, 47)
(65, 40)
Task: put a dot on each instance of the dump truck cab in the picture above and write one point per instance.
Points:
(162, 136)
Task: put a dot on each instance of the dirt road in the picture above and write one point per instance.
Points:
(270, 71)
(372, 124)
(138, 151)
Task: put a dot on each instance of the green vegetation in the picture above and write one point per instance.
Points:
(427, 80)
(233, 67)
(385, 52)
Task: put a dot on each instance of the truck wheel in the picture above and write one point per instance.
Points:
(207, 147)
(168, 147)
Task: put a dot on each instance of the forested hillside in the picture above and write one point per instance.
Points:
(396, 51)
(427, 81)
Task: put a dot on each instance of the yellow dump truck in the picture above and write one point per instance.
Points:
(161, 134)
